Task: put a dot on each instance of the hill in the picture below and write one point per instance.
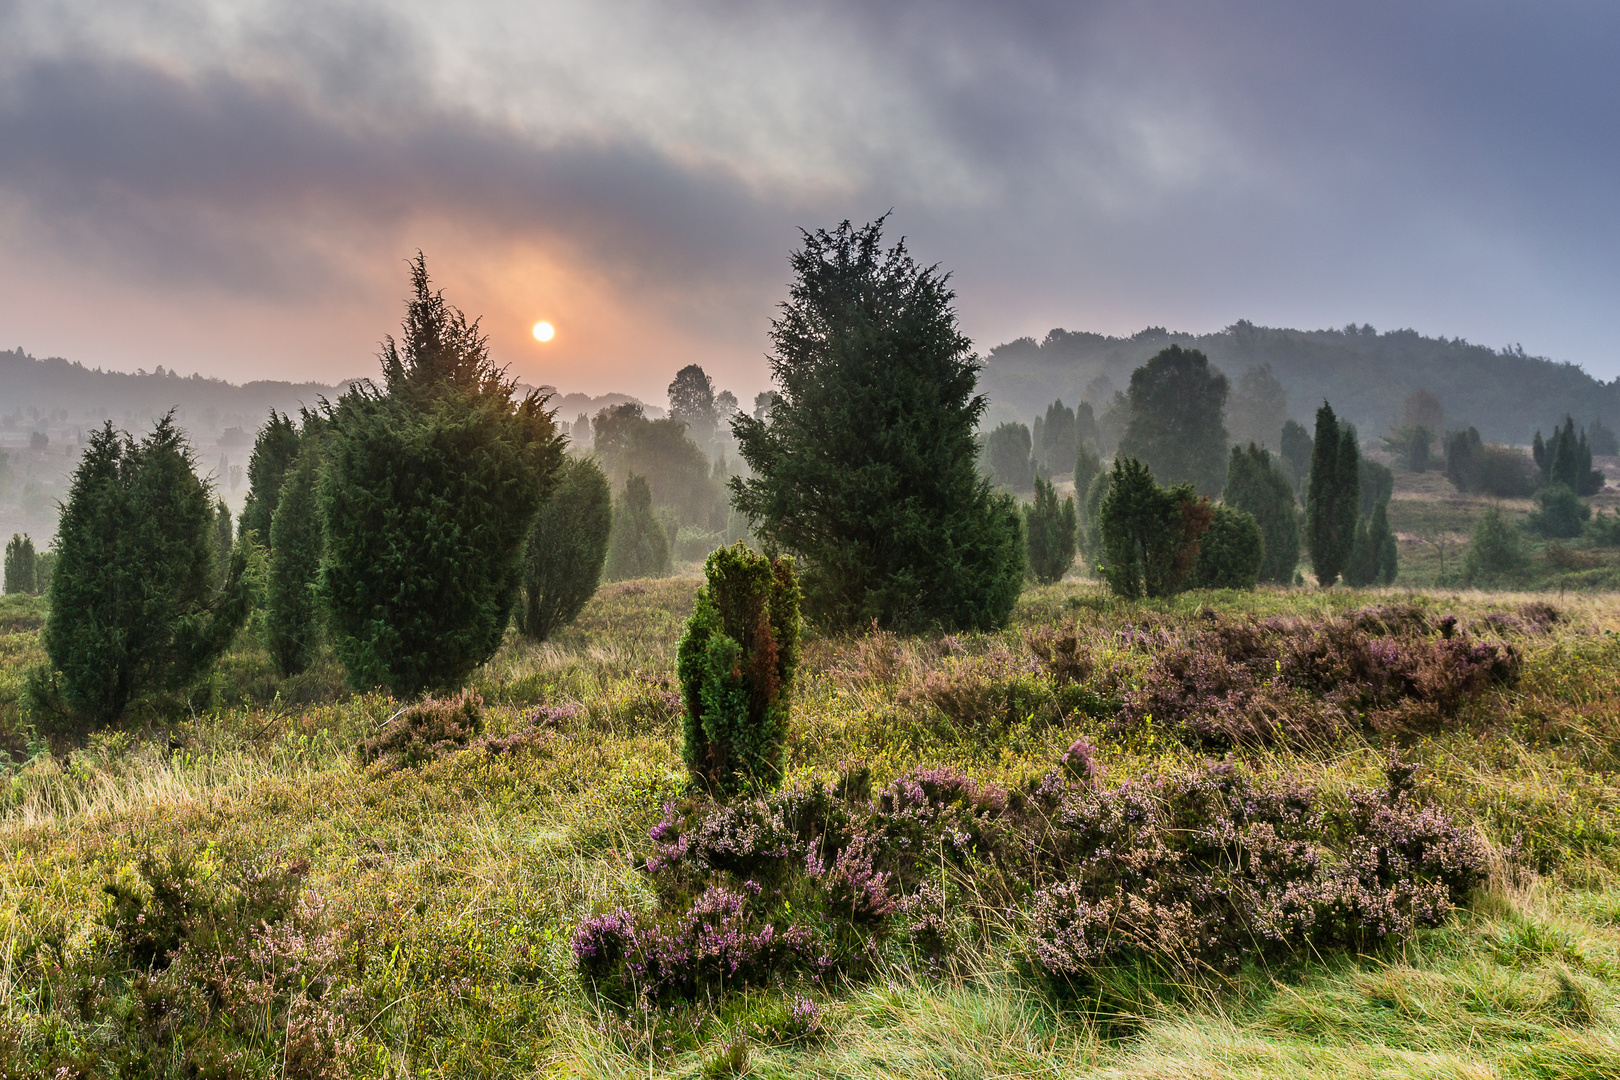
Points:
(1506, 393)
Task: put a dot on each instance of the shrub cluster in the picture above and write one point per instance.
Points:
(1281, 682)
(202, 966)
(1198, 870)
(426, 731)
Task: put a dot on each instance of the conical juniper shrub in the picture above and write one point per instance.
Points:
(566, 549)
(429, 487)
(1230, 551)
(1051, 529)
(292, 615)
(736, 664)
(1149, 533)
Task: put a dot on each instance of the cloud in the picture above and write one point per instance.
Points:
(1100, 165)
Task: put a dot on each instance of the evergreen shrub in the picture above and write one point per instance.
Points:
(736, 664)
(22, 574)
(1051, 528)
(1230, 552)
(1256, 483)
(1496, 551)
(292, 609)
(1149, 534)
(1559, 512)
(638, 544)
(566, 550)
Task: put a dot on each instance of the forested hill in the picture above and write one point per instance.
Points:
(63, 398)
(1506, 394)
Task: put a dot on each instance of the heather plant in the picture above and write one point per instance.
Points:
(1050, 530)
(566, 550)
(1201, 868)
(736, 664)
(425, 731)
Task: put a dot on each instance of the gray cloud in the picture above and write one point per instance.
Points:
(1442, 165)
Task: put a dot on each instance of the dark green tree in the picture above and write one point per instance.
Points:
(1259, 408)
(638, 546)
(1148, 534)
(1333, 496)
(274, 450)
(1559, 512)
(428, 487)
(1087, 464)
(691, 402)
(866, 466)
(292, 610)
(223, 537)
(1051, 528)
(567, 549)
(1296, 452)
(1230, 551)
(1057, 441)
(1256, 485)
(133, 605)
(1567, 460)
(1176, 427)
(22, 572)
(1008, 448)
(1375, 486)
(736, 663)
(1496, 552)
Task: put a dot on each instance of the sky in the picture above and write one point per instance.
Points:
(235, 188)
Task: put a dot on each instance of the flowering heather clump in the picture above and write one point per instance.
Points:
(426, 731)
(1199, 870)
(1210, 868)
(1280, 683)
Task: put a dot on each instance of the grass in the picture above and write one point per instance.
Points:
(437, 908)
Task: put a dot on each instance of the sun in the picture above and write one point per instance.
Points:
(544, 331)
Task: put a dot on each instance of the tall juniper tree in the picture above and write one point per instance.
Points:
(865, 467)
(1333, 496)
(429, 486)
(1256, 484)
(274, 450)
(566, 549)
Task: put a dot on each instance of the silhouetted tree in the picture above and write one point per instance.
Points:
(566, 550)
(1333, 496)
(1011, 464)
(1257, 486)
(1259, 408)
(866, 467)
(21, 565)
(133, 604)
(638, 546)
(1176, 426)
(1050, 527)
(274, 449)
(691, 402)
(428, 489)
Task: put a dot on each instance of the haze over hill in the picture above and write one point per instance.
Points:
(1506, 393)
(48, 406)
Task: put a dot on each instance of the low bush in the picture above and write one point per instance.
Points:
(1277, 682)
(425, 731)
(1202, 869)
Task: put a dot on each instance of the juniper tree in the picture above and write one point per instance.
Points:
(736, 663)
(274, 449)
(292, 609)
(428, 488)
(638, 546)
(1009, 450)
(1295, 452)
(133, 604)
(1333, 496)
(566, 549)
(21, 565)
(865, 467)
(1051, 528)
(1176, 426)
(1230, 551)
(1148, 534)
(1255, 484)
